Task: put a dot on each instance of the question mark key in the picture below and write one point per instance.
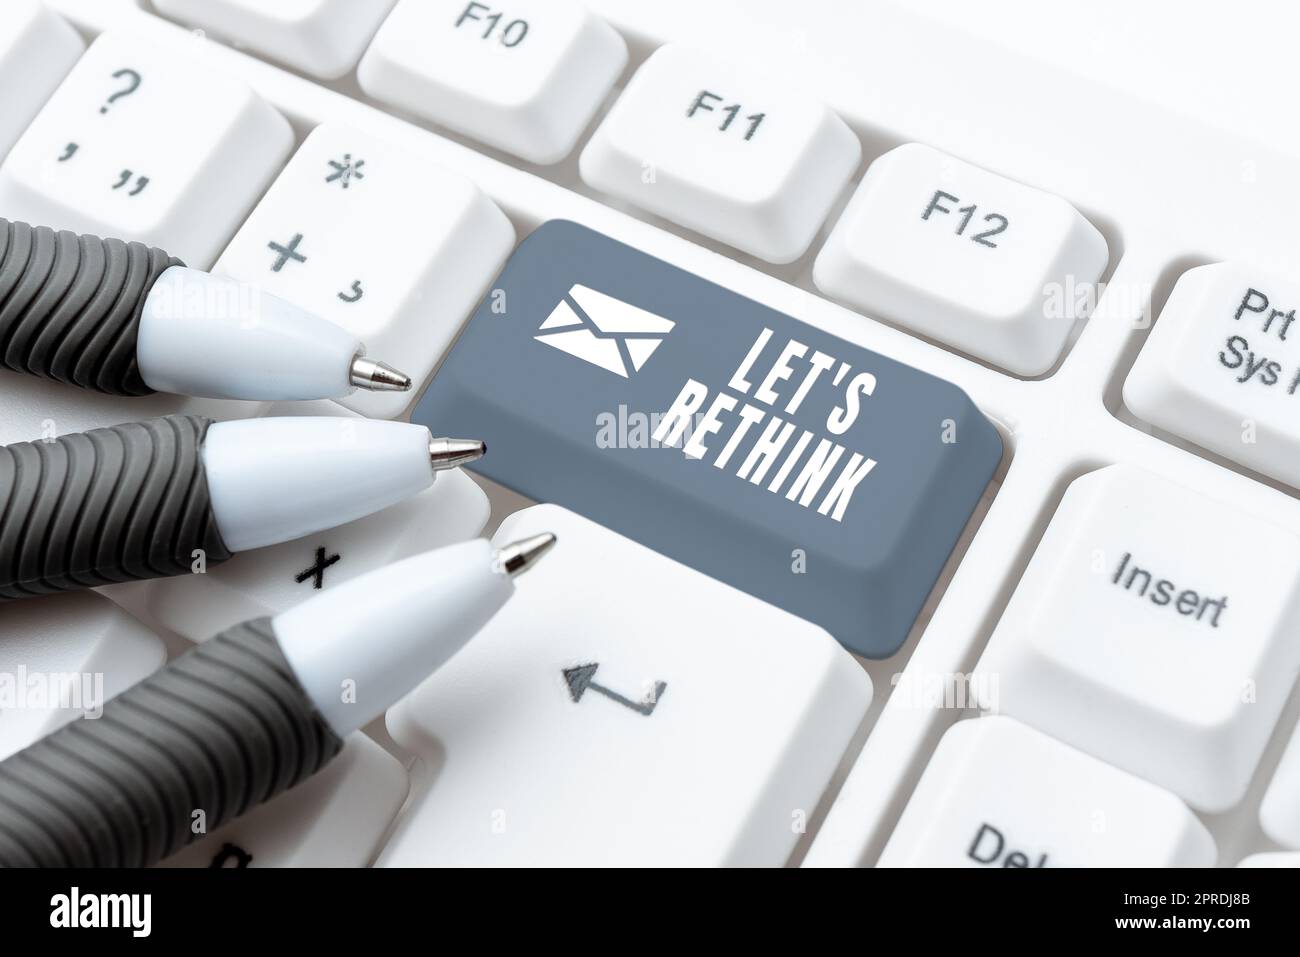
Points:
(168, 151)
(130, 81)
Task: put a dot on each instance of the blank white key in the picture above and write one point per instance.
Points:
(322, 37)
(972, 259)
(525, 76)
(746, 159)
(999, 794)
(1153, 628)
(1279, 815)
(624, 710)
(1275, 859)
(1222, 367)
(62, 657)
(336, 818)
(379, 241)
(37, 49)
(266, 581)
(145, 142)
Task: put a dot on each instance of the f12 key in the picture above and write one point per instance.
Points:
(793, 465)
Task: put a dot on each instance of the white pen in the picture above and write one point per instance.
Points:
(174, 495)
(247, 714)
(127, 319)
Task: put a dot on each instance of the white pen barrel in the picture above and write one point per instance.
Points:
(216, 337)
(272, 480)
(363, 645)
(242, 717)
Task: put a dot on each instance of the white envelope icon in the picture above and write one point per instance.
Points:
(604, 331)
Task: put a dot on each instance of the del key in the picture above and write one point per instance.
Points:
(782, 460)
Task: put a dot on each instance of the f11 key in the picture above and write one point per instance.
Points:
(789, 463)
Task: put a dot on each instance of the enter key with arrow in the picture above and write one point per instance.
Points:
(580, 680)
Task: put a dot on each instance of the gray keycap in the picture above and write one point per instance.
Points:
(835, 490)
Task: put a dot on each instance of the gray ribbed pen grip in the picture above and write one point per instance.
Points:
(219, 730)
(70, 305)
(104, 506)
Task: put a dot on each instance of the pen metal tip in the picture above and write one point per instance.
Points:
(517, 557)
(375, 376)
(452, 453)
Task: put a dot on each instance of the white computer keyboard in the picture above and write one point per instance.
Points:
(1144, 508)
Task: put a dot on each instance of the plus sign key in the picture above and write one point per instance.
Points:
(147, 143)
(285, 254)
(379, 241)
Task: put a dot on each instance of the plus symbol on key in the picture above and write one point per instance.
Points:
(286, 253)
